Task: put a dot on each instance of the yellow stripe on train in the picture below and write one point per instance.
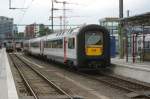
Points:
(94, 51)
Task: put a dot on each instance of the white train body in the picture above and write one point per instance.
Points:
(70, 47)
(56, 50)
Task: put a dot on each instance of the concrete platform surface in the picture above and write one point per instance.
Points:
(7, 85)
(137, 65)
(139, 70)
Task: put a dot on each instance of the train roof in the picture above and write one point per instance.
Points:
(53, 36)
(70, 33)
(35, 39)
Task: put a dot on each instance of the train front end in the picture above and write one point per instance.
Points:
(93, 47)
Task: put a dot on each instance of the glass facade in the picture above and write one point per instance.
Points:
(112, 24)
(6, 28)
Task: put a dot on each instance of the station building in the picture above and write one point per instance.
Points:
(30, 31)
(6, 28)
(112, 23)
(137, 37)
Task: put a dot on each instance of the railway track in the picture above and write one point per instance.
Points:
(135, 90)
(38, 85)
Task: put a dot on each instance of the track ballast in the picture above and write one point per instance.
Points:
(38, 85)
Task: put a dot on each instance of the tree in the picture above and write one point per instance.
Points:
(44, 30)
(19, 35)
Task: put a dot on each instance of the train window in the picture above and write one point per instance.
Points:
(48, 44)
(93, 38)
(71, 43)
(147, 44)
(55, 44)
(45, 44)
(59, 44)
(35, 44)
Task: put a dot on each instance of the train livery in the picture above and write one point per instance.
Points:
(84, 47)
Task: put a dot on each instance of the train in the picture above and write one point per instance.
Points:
(18, 46)
(84, 47)
(12, 45)
(9, 46)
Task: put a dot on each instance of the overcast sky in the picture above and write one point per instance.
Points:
(88, 11)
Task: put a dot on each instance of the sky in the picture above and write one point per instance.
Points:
(81, 11)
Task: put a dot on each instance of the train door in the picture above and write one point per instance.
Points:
(43, 43)
(71, 48)
(29, 48)
(42, 47)
(65, 49)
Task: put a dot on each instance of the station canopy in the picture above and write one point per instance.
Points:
(142, 19)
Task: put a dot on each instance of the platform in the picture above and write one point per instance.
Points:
(139, 70)
(7, 85)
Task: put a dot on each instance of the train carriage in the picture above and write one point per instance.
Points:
(18, 46)
(9, 45)
(35, 46)
(84, 47)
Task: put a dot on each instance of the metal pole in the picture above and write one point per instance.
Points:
(136, 46)
(127, 47)
(112, 28)
(52, 15)
(143, 43)
(60, 24)
(64, 15)
(128, 13)
(120, 8)
(120, 28)
(133, 46)
(9, 4)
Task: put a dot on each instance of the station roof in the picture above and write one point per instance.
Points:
(142, 19)
(110, 19)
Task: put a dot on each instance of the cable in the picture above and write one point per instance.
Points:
(24, 11)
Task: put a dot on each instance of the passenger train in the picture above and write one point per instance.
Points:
(86, 47)
(12, 45)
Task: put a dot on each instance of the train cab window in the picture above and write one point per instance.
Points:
(93, 38)
(71, 43)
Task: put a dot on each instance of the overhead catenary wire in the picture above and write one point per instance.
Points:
(25, 10)
(14, 8)
(64, 11)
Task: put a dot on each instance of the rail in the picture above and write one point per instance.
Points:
(22, 63)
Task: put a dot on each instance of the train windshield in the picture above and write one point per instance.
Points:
(93, 38)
